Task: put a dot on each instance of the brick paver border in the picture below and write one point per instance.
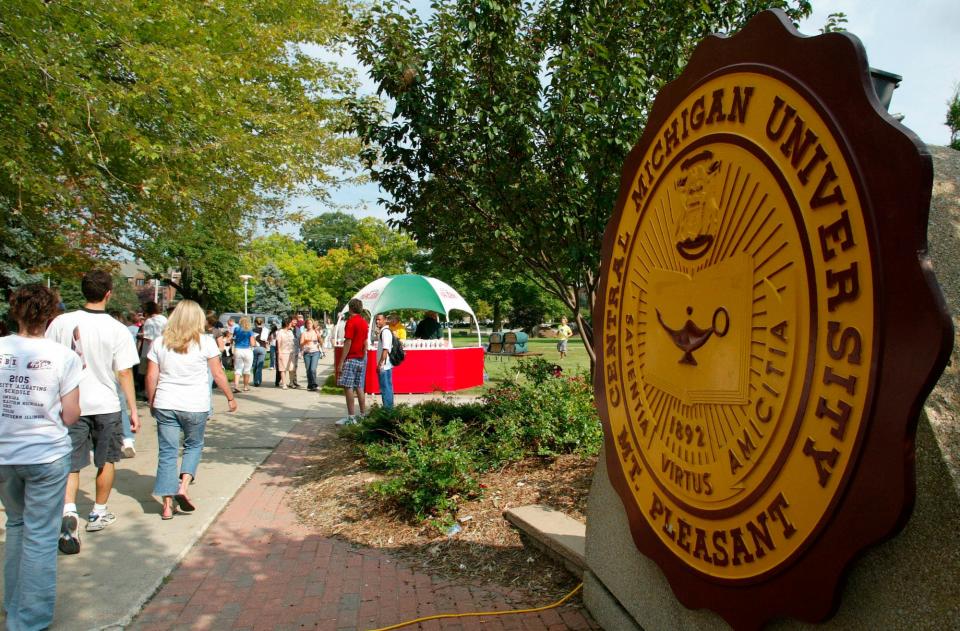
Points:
(258, 568)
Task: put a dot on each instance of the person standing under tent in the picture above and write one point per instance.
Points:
(429, 327)
(107, 352)
(353, 361)
(384, 367)
(41, 399)
(563, 334)
(396, 327)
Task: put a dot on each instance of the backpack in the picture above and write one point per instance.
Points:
(396, 352)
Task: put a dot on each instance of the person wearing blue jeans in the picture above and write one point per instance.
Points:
(310, 346)
(259, 355)
(129, 449)
(179, 395)
(259, 352)
(32, 496)
(169, 425)
(384, 367)
(35, 452)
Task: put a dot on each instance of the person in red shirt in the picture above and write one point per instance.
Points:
(353, 360)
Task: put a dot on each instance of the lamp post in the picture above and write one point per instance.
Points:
(246, 278)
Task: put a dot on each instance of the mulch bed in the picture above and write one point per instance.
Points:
(332, 497)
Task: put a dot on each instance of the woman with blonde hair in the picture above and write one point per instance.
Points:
(243, 342)
(179, 398)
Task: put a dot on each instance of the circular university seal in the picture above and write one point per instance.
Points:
(756, 290)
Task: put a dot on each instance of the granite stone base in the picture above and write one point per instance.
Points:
(910, 582)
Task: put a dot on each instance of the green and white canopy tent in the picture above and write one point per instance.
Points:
(411, 291)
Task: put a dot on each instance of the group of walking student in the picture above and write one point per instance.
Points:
(63, 386)
(287, 342)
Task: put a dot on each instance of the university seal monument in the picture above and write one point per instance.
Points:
(768, 331)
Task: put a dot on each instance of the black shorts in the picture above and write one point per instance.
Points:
(101, 433)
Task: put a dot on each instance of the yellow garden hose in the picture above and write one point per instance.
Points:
(483, 613)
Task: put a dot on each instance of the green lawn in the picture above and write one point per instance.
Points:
(500, 368)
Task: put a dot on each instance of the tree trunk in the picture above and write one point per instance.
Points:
(586, 336)
(497, 315)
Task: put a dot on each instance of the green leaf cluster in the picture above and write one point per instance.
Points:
(168, 130)
(511, 120)
(433, 453)
(953, 119)
(320, 279)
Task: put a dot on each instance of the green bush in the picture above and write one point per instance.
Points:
(554, 416)
(431, 464)
(433, 451)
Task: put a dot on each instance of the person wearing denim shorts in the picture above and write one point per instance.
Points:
(39, 385)
(179, 399)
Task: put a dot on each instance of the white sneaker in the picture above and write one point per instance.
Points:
(128, 450)
(96, 521)
(347, 420)
(69, 542)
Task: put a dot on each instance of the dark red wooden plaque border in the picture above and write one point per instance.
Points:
(914, 333)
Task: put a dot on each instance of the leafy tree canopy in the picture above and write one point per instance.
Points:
(127, 125)
(299, 267)
(329, 230)
(512, 120)
(373, 250)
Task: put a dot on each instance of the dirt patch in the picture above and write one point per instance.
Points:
(332, 496)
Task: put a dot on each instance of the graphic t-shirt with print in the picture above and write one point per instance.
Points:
(34, 374)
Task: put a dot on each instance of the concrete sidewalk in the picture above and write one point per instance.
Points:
(119, 568)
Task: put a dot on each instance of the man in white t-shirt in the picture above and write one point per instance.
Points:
(106, 349)
(384, 367)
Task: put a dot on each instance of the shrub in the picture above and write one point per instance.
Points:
(431, 464)
(433, 451)
(555, 416)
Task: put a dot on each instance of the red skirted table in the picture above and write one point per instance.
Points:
(427, 370)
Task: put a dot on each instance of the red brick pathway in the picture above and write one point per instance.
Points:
(257, 568)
